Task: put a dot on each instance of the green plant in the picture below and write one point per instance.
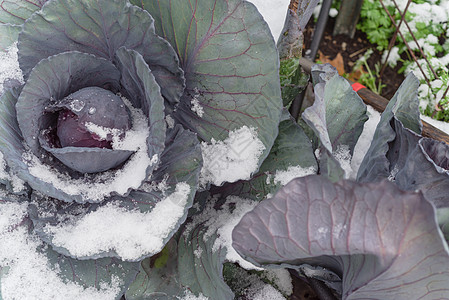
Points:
(375, 22)
(371, 78)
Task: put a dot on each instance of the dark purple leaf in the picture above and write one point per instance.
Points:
(100, 28)
(383, 242)
(90, 160)
(236, 85)
(404, 107)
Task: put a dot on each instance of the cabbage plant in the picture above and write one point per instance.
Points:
(147, 154)
(105, 132)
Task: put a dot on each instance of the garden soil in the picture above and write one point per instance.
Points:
(343, 52)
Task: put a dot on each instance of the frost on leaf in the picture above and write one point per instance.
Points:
(233, 159)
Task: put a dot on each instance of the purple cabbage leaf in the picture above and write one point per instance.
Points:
(213, 40)
(17, 11)
(188, 265)
(404, 107)
(399, 152)
(100, 28)
(8, 35)
(337, 118)
(381, 241)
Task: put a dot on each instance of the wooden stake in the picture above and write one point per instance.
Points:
(347, 18)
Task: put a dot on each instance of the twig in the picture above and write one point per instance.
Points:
(357, 52)
(294, 4)
(405, 42)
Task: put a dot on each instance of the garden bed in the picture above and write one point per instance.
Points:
(351, 50)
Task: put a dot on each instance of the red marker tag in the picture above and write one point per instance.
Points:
(357, 86)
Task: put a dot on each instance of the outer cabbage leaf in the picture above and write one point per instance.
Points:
(181, 162)
(188, 263)
(99, 28)
(382, 241)
(404, 107)
(17, 11)
(88, 278)
(425, 167)
(8, 35)
(337, 115)
(292, 148)
(230, 64)
(400, 153)
(337, 118)
(443, 221)
(92, 273)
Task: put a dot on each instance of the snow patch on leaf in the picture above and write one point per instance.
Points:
(222, 222)
(130, 176)
(29, 275)
(285, 176)
(9, 66)
(133, 139)
(190, 296)
(170, 121)
(343, 155)
(364, 141)
(281, 278)
(233, 159)
(131, 234)
(196, 105)
(267, 292)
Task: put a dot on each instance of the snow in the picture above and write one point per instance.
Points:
(285, 176)
(189, 296)
(281, 279)
(443, 126)
(235, 158)
(170, 121)
(267, 292)
(103, 132)
(226, 222)
(393, 58)
(132, 234)
(274, 12)
(223, 222)
(129, 176)
(29, 274)
(364, 141)
(343, 155)
(196, 105)
(9, 66)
